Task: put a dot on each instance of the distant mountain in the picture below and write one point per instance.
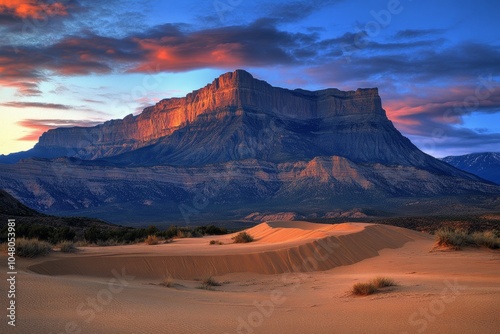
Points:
(485, 165)
(11, 206)
(234, 147)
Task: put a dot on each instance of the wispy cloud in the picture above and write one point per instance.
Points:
(36, 105)
(39, 126)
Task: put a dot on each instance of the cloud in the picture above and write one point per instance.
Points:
(291, 11)
(417, 33)
(164, 48)
(36, 105)
(39, 126)
(32, 8)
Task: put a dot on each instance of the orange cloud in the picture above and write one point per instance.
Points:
(32, 8)
(188, 56)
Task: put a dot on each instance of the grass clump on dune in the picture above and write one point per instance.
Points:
(487, 238)
(452, 238)
(208, 283)
(216, 242)
(32, 247)
(152, 240)
(365, 289)
(242, 237)
(68, 247)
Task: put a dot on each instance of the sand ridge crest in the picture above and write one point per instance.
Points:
(276, 250)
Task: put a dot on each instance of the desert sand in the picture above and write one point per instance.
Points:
(295, 278)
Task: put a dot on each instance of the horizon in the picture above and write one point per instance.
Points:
(80, 64)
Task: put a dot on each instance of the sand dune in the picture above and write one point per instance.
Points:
(295, 278)
(280, 247)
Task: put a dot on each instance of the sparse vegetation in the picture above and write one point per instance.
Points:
(365, 289)
(459, 238)
(216, 242)
(488, 239)
(67, 247)
(32, 247)
(152, 240)
(168, 282)
(382, 282)
(242, 237)
(208, 283)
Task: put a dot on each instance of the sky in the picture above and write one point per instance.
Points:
(82, 62)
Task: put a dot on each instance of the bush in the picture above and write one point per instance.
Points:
(382, 282)
(32, 247)
(216, 242)
(168, 282)
(242, 237)
(152, 240)
(487, 239)
(452, 238)
(363, 289)
(68, 247)
(208, 283)
(460, 238)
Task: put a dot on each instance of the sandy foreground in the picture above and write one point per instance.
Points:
(295, 278)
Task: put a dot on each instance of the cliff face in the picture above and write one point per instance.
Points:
(229, 95)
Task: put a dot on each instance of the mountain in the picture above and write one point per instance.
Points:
(485, 165)
(11, 206)
(26, 218)
(234, 147)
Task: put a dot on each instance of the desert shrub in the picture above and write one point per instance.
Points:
(460, 238)
(67, 247)
(152, 240)
(487, 238)
(209, 282)
(168, 282)
(363, 289)
(452, 238)
(216, 242)
(32, 247)
(242, 237)
(382, 282)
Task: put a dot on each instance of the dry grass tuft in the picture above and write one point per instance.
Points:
(365, 289)
(152, 240)
(242, 237)
(32, 247)
(68, 247)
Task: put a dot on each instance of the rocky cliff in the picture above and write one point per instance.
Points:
(234, 94)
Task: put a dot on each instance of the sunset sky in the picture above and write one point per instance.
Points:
(436, 63)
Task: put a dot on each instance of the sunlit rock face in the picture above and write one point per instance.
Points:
(234, 97)
(235, 147)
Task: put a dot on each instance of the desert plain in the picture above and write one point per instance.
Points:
(296, 277)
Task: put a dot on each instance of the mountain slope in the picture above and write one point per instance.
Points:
(485, 165)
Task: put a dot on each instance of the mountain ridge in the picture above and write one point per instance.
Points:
(485, 164)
